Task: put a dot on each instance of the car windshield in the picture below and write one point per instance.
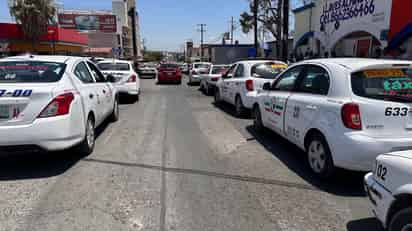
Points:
(267, 70)
(114, 66)
(169, 66)
(219, 69)
(384, 84)
(31, 72)
(201, 65)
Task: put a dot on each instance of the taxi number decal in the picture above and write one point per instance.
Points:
(396, 111)
(384, 73)
(381, 172)
(16, 93)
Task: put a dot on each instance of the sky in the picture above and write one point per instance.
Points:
(167, 24)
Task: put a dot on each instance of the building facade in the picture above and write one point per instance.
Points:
(349, 28)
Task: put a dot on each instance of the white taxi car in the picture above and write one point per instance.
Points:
(208, 81)
(53, 103)
(198, 69)
(389, 188)
(342, 112)
(127, 80)
(240, 84)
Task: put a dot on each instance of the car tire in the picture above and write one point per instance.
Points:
(240, 109)
(319, 157)
(86, 147)
(257, 120)
(115, 113)
(217, 97)
(208, 90)
(402, 220)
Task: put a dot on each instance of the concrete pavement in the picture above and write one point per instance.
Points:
(175, 161)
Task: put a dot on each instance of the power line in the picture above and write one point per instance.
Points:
(202, 30)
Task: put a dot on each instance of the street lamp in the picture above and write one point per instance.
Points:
(52, 32)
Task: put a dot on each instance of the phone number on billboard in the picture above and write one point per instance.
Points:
(342, 12)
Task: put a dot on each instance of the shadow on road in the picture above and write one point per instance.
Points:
(34, 165)
(345, 183)
(364, 224)
(230, 110)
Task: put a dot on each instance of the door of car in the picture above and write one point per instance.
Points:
(306, 102)
(275, 100)
(226, 83)
(236, 83)
(88, 90)
(104, 90)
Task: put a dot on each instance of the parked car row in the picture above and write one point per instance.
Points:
(53, 103)
(352, 114)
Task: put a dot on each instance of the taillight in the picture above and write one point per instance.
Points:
(132, 79)
(215, 79)
(249, 85)
(351, 116)
(60, 105)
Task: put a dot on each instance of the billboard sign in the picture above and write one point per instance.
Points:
(88, 22)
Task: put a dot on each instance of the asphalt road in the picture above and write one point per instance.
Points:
(175, 161)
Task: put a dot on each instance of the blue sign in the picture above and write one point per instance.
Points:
(342, 10)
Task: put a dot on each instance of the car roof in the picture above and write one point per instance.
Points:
(353, 64)
(260, 61)
(45, 58)
(114, 61)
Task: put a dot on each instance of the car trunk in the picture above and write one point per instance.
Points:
(22, 103)
(120, 76)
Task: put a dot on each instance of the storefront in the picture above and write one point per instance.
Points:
(353, 28)
(56, 41)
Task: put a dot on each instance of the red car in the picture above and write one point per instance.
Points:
(169, 72)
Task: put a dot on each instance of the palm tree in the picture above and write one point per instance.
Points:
(34, 16)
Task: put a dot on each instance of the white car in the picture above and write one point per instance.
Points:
(342, 112)
(53, 103)
(197, 70)
(389, 188)
(149, 70)
(127, 80)
(208, 81)
(244, 80)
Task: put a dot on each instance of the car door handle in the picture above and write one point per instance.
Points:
(311, 107)
(91, 96)
(104, 91)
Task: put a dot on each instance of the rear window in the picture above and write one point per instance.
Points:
(31, 72)
(114, 66)
(219, 69)
(389, 84)
(169, 66)
(267, 70)
(202, 65)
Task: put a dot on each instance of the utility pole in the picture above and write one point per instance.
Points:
(132, 14)
(232, 29)
(285, 29)
(255, 24)
(202, 30)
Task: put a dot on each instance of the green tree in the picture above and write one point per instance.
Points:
(153, 56)
(34, 16)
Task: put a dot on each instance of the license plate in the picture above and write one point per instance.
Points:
(4, 112)
(169, 74)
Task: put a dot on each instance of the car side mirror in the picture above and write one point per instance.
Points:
(266, 86)
(111, 78)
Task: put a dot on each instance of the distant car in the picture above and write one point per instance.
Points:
(208, 81)
(127, 80)
(197, 70)
(147, 70)
(185, 68)
(53, 103)
(389, 188)
(169, 72)
(342, 112)
(244, 80)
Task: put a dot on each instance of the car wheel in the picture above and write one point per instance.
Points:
(319, 157)
(217, 96)
(402, 221)
(115, 113)
(208, 90)
(86, 147)
(257, 120)
(240, 109)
